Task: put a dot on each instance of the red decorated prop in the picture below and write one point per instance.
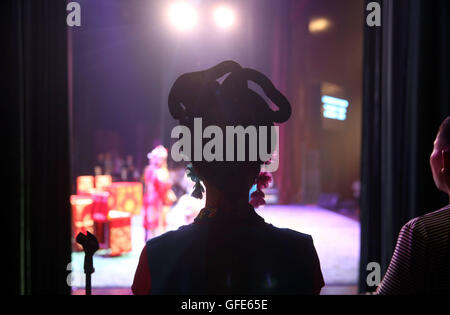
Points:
(100, 205)
(85, 184)
(100, 215)
(119, 232)
(125, 197)
(106, 211)
(103, 181)
(82, 219)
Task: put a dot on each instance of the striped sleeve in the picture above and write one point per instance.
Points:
(407, 270)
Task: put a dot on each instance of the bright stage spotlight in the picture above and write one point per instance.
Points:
(183, 16)
(224, 16)
(319, 25)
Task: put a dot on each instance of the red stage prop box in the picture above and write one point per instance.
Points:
(103, 181)
(106, 211)
(125, 197)
(100, 205)
(82, 220)
(85, 184)
(119, 232)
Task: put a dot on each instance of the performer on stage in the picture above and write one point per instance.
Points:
(186, 208)
(158, 192)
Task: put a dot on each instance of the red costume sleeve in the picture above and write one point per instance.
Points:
(142, 280)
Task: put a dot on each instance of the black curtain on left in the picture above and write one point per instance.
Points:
(36, 216)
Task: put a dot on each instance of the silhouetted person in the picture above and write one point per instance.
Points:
(108, 164)
(127, 170)
(99, 167)
(229, 249)
(421, 261)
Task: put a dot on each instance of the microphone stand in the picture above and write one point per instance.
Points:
(90, 246)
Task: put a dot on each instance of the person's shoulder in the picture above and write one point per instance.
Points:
(289, 244)
(182, 233)
(439, 217)
(289, 235)
(434, 220)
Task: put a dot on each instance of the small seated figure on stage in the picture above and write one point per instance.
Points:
(158, 196)
(186, 208)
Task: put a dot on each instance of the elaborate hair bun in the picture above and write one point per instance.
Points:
(197, 93)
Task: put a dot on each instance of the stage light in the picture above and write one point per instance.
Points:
(335, 101)
(319, 25)
(183, 16)
(335, 108)
(224, 16)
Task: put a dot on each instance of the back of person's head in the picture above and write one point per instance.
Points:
(232, 103)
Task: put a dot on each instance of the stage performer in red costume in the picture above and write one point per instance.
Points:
(158, 192)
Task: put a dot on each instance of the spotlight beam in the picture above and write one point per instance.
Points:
(183, 16)
(224, 17)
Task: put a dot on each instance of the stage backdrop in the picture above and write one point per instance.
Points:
(301, 60)
(406, 97)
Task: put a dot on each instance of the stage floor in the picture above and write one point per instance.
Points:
(336, 237)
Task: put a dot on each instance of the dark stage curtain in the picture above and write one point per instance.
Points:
(288, 72)
(36, 216)
(406, 87)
